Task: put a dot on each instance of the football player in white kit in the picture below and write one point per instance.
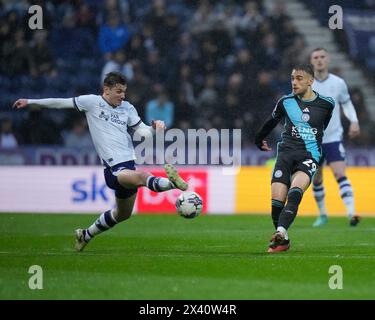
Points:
(333, 150)
(109, 116)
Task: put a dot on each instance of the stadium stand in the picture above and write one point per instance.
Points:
(222, 64)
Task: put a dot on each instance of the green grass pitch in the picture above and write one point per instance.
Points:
(168, 257)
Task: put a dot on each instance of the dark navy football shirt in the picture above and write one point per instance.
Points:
(305, 121)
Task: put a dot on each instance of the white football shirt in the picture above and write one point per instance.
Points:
(336, 88)
(109, 127)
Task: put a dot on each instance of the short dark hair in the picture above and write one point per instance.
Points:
(307, 67)
(113, 78)
(318, 49)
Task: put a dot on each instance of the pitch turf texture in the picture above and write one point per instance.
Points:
(169, 257)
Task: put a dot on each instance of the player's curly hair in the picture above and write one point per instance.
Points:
(113, 78)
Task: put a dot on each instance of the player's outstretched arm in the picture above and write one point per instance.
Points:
(56, 103)
(20, 103)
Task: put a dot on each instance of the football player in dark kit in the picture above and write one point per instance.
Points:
(306, 115)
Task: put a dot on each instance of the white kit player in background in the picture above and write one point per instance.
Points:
(335, 87)
(109, 117)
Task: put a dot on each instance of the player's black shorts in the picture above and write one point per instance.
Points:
(110, 175)
(289, 162)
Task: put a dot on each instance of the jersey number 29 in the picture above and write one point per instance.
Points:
(310, 164)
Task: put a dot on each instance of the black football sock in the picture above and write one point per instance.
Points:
(277, 206)
(289, 212)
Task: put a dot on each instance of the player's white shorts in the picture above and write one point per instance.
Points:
(333, 151)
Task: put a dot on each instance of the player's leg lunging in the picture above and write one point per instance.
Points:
(280, 240)
(126, 183)
(136, 179)
(289, 212)
(106, 221)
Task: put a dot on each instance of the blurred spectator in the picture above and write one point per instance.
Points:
(16, 54)
(245, 65)
(156, 68)
(165, 26)
(5, 34)
(113, 35)
(287, 35)
(278, 15)
(138, 92)
(186, 88)
(207, 101)
(370, 4)
(252, 17)
(41, 58)
(122, 7)
(118, 63)
(366, 137)
(169, 39)
(231, 18)
(148, 36)
(79, 136)
(208, 96)
(269, 54)
(160, 108)
(156, 13)
(5, 37)
(221, 38)
(234, 108)
(264, 96)
(38, 128)
(187, 50)
(8, 139)
(203, 18)
(135, 48)
(185, 99)
(295, 54)
(209, 55)
(85, 17)
(222, 62)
